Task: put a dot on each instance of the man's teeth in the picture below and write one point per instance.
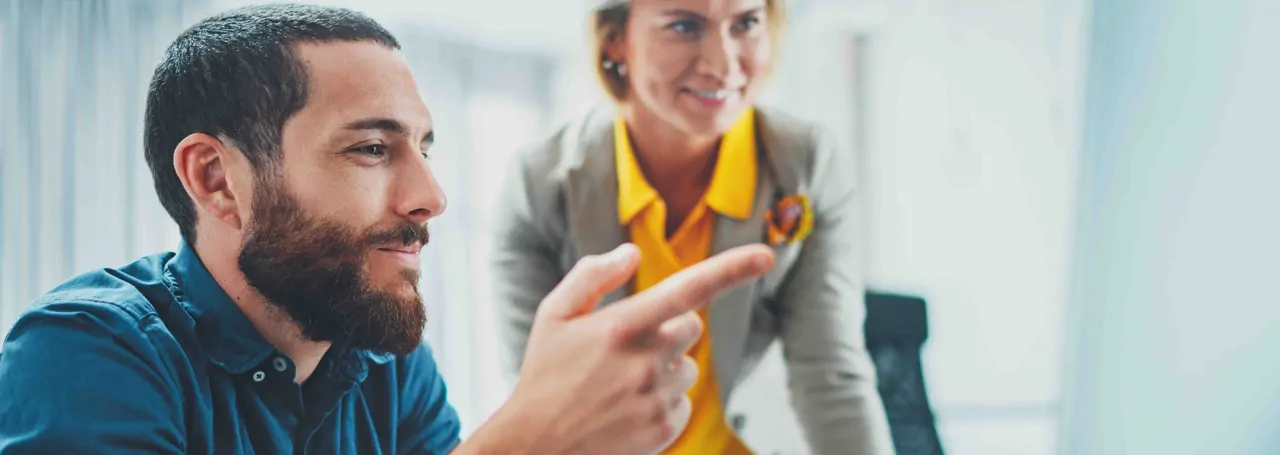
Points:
(712, 95)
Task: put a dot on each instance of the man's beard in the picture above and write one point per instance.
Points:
(312, 271)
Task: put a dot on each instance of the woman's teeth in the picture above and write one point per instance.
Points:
(712, 95)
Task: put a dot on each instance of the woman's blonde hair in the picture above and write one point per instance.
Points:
(609, 24)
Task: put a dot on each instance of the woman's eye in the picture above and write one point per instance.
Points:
(747, 23)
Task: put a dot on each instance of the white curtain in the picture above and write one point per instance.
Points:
(75, 191)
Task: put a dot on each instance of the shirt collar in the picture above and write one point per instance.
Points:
(733, 182)
(732, 191)
(355, 363)
(225, 334)
(634, 191)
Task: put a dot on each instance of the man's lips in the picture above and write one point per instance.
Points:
(406, 249)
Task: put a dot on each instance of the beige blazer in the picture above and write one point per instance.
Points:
(559, 204)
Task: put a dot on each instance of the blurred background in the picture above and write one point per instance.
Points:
(1083, 192)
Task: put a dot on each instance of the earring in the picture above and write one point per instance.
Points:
(618, 68)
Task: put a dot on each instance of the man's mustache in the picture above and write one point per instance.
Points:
(406, 234)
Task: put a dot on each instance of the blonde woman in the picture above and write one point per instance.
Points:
(684, 166)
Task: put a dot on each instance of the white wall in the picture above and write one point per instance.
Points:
(968, 170)
(1175, 312)
(533, 25)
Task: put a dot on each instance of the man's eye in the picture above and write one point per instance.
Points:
(685, 27)
(374, 150)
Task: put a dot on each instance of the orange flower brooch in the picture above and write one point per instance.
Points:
(790, 220)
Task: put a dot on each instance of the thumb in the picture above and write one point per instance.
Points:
(589, 280)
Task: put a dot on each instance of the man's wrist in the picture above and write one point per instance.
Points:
(511, 430)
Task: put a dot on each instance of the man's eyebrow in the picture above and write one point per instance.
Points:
(383, 124)
(388, 125)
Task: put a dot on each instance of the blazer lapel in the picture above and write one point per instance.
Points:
(730, 313)
(591, 193)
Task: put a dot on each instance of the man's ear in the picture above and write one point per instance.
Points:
(203, 163)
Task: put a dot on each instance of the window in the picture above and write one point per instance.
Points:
(479, 356)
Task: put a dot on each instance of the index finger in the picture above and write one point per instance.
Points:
(689, 289)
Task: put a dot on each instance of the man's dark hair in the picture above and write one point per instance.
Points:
(235, 76)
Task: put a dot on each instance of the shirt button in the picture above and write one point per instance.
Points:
(258, 376)
(280, 364)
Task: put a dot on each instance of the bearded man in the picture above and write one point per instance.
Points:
(288, 143)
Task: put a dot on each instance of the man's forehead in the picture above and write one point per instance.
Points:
(359, 79)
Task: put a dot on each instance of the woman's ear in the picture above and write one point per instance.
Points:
(615, 50)
(201, 162)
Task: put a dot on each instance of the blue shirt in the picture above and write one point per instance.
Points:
(154, 358)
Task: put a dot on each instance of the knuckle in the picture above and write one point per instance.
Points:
(677, 340)
(707, 290)
(588, 262)
(696, 288)
(689, 371)
(674, 367)
(647, 376)
(690, 326)
(663, 431)
(615, 334)
(695, 323)
(645, 341)
(656, 409)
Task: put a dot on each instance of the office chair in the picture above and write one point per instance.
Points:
(896, 328)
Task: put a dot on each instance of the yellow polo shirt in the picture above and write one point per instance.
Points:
(731, 193)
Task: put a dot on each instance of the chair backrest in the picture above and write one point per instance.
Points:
(896, 328)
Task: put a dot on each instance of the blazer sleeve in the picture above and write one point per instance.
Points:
(830, 374)
(524, 260)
